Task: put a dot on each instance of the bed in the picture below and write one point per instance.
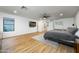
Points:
(66, 37)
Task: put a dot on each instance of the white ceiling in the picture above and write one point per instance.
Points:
(36, 12)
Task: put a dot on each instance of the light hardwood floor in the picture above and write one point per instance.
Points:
(26, 44)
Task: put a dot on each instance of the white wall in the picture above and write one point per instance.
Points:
(77, 19)
(63, 23)
(21, 25)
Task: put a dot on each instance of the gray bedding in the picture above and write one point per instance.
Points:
(63, 35)
(66, 37)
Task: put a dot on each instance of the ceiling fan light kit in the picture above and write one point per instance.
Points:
(45, 16)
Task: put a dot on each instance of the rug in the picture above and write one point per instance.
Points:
(40, 38)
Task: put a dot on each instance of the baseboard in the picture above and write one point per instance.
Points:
(20, 35)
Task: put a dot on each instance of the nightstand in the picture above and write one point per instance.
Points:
(77, 45)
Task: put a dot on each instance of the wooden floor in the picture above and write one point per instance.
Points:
(26, 44)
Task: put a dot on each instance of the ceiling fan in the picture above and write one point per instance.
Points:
(45, 16)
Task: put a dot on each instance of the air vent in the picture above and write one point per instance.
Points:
(24, 7)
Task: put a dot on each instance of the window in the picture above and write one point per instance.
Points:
(8, 24)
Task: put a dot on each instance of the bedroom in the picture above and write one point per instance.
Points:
(22, 28)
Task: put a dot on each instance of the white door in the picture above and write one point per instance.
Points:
(40, 26)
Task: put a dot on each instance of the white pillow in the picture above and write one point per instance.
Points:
(77, 33)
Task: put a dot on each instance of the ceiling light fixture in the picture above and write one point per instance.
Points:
(61, 14)
(15, 11)
(44, 18)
